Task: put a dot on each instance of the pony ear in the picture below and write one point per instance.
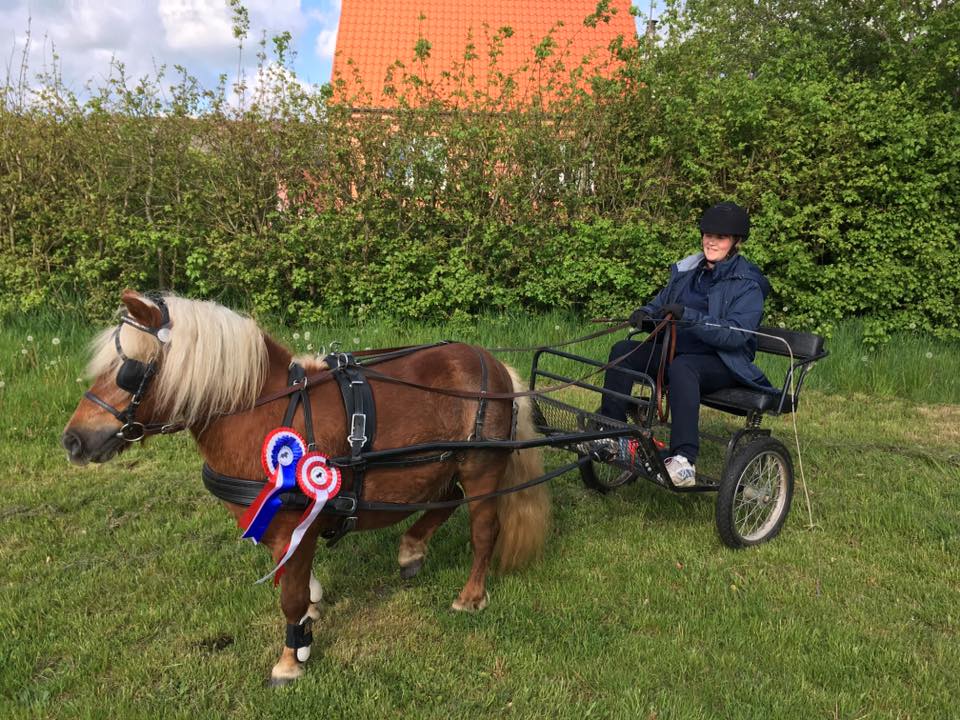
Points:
(141, 309)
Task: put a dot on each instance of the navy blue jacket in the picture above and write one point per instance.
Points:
(734, 301)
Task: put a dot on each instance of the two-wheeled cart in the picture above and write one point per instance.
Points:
(755, 485)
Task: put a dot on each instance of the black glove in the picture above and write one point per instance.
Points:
(675, 310)
(638, 316)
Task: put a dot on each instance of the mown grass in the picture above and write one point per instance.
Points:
(125, 592)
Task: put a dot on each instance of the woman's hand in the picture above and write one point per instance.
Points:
(675, 311)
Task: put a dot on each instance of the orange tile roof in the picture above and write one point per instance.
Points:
(373, 35)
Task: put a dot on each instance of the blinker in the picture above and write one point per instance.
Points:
(132, 375)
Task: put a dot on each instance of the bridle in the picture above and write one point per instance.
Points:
(135, 377)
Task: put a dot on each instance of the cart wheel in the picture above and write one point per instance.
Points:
(755, 493)
(604, 477)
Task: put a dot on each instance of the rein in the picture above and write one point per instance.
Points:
(669, 349)
(132, 431)
(325, 375)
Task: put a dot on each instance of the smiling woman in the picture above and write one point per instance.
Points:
(713, 297)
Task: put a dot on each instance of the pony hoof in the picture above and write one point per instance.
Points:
(279, 682)
(471, 606)
(411, 570)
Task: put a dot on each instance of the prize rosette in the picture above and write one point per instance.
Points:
(282, 450)
(319, 482)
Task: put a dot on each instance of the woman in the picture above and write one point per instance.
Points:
(712, 295)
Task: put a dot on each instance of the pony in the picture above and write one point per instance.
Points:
(202, 367)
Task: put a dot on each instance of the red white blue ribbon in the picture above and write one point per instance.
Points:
(282, 450)
(319, 482)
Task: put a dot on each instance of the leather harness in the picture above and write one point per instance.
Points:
(360, 412)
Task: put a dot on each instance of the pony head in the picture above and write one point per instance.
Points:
(170, 362)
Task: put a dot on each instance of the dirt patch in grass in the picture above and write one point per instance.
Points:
(943, 426)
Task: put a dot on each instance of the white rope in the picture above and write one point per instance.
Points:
(793, 413)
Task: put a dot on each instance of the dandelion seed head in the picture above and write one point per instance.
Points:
(309, 346)
(929, 355)
(29, 338)
(23, 351)
(913, 326)
(306, 335)
(296, 336)
(556, 327)
(56, 341)
(781, 324)
(356, 341)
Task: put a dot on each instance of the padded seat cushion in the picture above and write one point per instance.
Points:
(742, 400)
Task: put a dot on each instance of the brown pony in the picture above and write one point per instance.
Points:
(209, 375)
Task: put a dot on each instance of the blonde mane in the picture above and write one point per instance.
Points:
(215, 363)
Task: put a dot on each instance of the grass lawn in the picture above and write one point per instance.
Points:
(124, 591)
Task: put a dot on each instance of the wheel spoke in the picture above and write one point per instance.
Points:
(758, 500)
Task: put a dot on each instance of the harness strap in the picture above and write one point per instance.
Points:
(360, 410)
(245, 491)
(296, 376)
(241, 491)
(482, 402)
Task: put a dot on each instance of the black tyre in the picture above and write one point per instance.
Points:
(604, 477)
(755, 493)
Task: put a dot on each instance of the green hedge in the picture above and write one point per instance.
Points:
(847, 155)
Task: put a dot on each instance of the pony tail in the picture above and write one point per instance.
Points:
(524, 516)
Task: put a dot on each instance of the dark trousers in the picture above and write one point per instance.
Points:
(688, 377)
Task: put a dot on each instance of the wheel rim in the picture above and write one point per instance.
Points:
(760, 497)
(610, 476)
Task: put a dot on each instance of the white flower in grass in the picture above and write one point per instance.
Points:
(56, 341)
(557, 328)
(29, 338)
(2, 384)
(929, 355)
(23, 351)
(913, 326)
(79, 380)
(781, 324)
(309, 346)
(296, 336)
(306, 335)
(356, 341)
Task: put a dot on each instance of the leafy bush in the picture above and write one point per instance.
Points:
(837, 125)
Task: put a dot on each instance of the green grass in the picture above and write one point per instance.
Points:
(124, 591)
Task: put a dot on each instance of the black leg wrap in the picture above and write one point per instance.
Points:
(298, 635)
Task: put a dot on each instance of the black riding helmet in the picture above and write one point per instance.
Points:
(726, 218)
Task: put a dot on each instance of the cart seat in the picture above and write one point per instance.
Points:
(806, 349)
(743, 401)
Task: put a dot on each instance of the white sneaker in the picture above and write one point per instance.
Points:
(682, 473)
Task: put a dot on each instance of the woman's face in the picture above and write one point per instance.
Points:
(716, 247)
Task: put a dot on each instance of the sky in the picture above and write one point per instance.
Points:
(145, 34)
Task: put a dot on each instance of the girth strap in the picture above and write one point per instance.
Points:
(241, 491)
(360, 411)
